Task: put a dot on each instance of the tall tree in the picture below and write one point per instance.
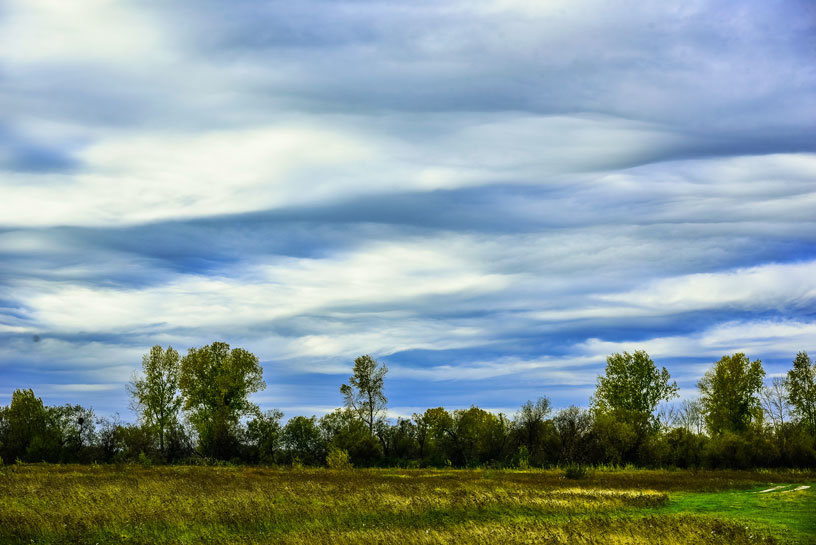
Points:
(74, 428)
(302, 439)
(728, 393)
(264, 434)
(216, 382)
(431, 429)
(632, 386)
(27, 421)
(801, 385)
(530, 423)
(573, 426)
(364, 393)
(156, 392)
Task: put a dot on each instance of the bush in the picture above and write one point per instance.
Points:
(575, 471)
(522, 458)
(338, 458)
(145, 461)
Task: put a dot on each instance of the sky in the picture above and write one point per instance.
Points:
(489, 197)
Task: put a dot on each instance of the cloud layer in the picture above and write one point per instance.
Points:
(489, 197)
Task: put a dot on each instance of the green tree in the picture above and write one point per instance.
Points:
(728, 393)
(478, 436)
(215, 383)
(431, 432)
(264, 434)
(573, 426)
(303, 441)
(632, 387)
(155, 393)
(801, 387)
(530, 424)
(364, 393)
(74, 428)
(343, 429)
(27, 426)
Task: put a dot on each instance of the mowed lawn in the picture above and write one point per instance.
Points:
(131, 504)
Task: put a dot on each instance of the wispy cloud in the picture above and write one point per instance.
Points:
(489, 197)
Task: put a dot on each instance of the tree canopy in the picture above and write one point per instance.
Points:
(728, 393)
(155, 393)
(216, 382)
(632, 386)
(364, 393)
(801, 386)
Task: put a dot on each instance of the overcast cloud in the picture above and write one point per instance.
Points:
(490, 197)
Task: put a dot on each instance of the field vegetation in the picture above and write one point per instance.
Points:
(50, 504)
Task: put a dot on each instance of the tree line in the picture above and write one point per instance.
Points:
(196, 409)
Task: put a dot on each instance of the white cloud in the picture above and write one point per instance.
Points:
(764, 286)
(33, 31)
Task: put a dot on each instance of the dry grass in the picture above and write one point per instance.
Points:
(130, 504)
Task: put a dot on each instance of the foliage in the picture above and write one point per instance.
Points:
(26, 423)
(801, 386)
(364, 393)
(573, 426)
(530, 424)
(344, 430)
(155, 393)
(477, 436)
(216, 382)
(338, 458)
(264, 435)
(303, 441)
(432, 436)
(632, 386)
(575, 472)
(729, 394)
(237, 432)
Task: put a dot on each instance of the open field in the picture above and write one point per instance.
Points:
(131, 504)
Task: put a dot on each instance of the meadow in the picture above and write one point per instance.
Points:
(101, 504)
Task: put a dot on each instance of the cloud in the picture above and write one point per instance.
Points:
(489, 197)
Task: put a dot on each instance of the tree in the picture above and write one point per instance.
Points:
(478, 436)
(343, 429)
(573, 425)
(264, 434)
(431, 429)
(729, 393)
(155, 393)
(74, 428)
(530, 424)
(801, 386)
(774, 400)
(109, 437)
(216, 382)
(690, 417)
(364, 393)
(26, 419)
(632, 387)
(302, 439)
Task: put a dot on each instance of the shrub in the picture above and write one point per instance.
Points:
(522, 458)
(338, 458)
(575, 471)
(145, 461)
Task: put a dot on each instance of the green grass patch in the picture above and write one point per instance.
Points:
(788, 513)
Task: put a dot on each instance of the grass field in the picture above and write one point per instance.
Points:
(163, 505)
